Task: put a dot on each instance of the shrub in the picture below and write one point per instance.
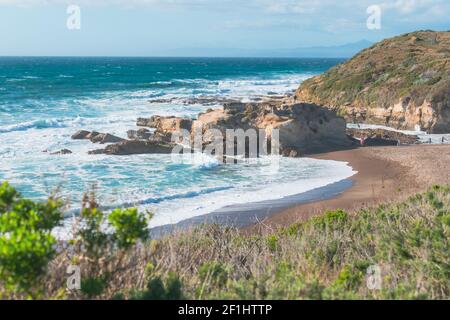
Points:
(158, 290)
(26, 243)
(103, 241)
(129, 226)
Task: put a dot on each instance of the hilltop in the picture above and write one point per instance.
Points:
(402, 82)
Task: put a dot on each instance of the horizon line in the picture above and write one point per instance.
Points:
(165, 57)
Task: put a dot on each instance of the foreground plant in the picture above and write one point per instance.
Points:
(27, 246)
(336, 255)
(26, 242)
(395, 251)
(102, 242)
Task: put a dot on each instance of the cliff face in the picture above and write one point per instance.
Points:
(303, 128)
(401, 82)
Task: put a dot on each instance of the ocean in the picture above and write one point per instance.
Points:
(43, 101)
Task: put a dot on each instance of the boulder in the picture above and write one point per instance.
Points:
(165, 125)
(145, 122)
(109, 138)
(80, 135)
(103, 138)
(141, 134)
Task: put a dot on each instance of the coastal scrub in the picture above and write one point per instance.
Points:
(397, 250)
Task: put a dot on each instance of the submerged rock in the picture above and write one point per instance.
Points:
(62, 152)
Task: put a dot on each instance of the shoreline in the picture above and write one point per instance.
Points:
(253, 213)
(382, 176)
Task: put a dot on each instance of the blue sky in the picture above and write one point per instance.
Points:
(155, 27)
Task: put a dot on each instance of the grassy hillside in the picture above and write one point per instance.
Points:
(401, 81)
(327, 257)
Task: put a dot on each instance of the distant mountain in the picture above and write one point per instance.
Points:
(342, 51)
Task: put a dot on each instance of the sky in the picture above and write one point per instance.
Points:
(162, 27)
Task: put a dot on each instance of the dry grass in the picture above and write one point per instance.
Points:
(323, 258)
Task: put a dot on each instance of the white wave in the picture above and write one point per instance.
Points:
(253, 191)
(15, 80)
(37, 124)
(202, 187)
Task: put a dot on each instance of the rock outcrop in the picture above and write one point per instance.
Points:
(402, 82)
(141, 134)
(382, 137)
(165, 125)
(96, 137)
(80, 135)
(103, 138)
(130, 147)
(303, 128)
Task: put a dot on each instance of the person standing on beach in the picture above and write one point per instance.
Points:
(362, 141)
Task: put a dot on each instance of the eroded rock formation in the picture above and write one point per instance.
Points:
(402, 82)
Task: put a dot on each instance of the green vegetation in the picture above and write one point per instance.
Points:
(326, 257)
(28, 247)
(411, 69)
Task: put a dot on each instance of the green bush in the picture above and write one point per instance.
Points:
(103, 241)
(92, 287)
(158, 290)
(27, 245)
(26, 242)
(129, 226)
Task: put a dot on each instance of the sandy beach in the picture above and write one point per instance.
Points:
(384, 174)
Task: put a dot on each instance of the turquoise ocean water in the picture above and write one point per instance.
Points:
(43, 101)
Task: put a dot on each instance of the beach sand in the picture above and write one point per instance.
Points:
(384, 174)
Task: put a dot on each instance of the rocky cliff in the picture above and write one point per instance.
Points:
(303, 128)
(402, 82)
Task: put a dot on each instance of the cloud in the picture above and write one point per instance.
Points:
(30, 3)
(343, 12)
